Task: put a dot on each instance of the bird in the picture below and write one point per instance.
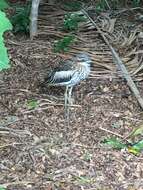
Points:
(69, 74)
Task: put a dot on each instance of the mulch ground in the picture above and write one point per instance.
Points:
(39, 151)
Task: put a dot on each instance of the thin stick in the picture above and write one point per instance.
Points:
(119, 63)
(12, 144)
(5, 185)
(55, 104)
(49, 104)
(111, 132)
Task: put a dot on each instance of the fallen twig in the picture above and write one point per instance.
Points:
(40, 108)
(5, 185)
(55, 104)
(8, 145)
(111, 132)
(119, 63)
(5, 130)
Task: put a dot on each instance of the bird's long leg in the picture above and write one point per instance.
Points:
(69, 103)
(66, 101)
(70, 95)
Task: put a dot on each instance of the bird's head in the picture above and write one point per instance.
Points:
(83, 58)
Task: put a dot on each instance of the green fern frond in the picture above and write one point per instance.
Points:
(63, 44)
(72, 20)
(20, 20)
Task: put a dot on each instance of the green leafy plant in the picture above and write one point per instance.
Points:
(136, 148)
(101, 6)
(20, 20)
(135, 3)
(4, 26)
(137, 131)
(72, 20)
(63, 44)
(2, 188)
(32, 104)
(3, 5)
(114, 143)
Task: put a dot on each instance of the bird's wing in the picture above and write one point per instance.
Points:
(61, 77)
(65, 65)
(61, 74)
